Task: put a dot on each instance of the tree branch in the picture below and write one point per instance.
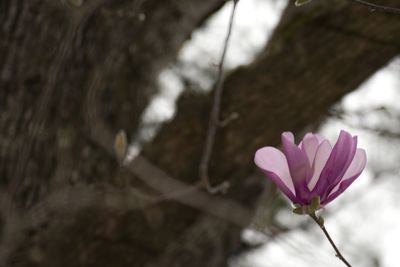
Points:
(215, 115)
(170, 188)
(189, 195)
(376, 7)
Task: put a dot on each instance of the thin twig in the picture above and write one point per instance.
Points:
(215, 114)
(376, 7)
(338, 254)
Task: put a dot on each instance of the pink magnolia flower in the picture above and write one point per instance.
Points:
(313, 168)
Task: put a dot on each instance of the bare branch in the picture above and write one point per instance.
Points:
(189, 195)
(376, 7)
(170, 188)
(215, 114)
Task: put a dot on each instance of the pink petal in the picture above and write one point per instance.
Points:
(357, 165)
(339, 160)
(298, 165)
(353, 150)
(288, 136)
(352, 173)
(307, 135)
(320, 138)
(310, 145)
(321, 157)
(273, 163)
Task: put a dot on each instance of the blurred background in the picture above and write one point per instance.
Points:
(104, 115)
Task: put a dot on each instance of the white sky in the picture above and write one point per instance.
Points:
(254, 21)
(365, 220)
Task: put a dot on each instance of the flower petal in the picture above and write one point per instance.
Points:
(320, 138)
(307, 135)
(288, 136)
(353, 150)
(357, 164)
(298, 165)
(339, 160)
(353, 172)
(273, 163)
(321, 157)
(310, 145)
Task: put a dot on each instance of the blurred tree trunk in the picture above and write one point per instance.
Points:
(71, 70)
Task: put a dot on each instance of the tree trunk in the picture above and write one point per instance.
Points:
(77, 72)
(70, 70)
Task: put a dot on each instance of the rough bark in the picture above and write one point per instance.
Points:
(70, 70)
(73, 72)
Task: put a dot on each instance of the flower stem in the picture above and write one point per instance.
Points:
(321, 225)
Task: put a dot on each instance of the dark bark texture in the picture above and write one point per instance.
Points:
(73, 73)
